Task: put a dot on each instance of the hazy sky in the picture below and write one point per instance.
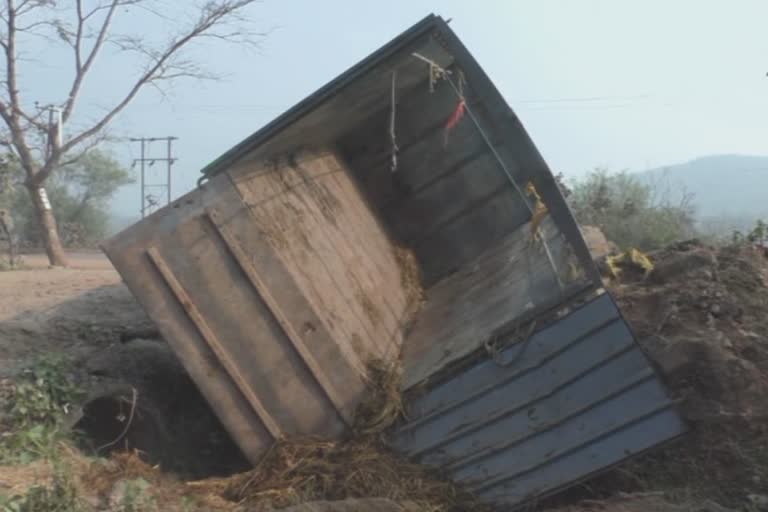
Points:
(613, 83)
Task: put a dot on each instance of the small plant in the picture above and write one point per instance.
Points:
(631, 211)
(11, 263)
(758, 235)
(60, 496)
(33, 421)
(136, 497)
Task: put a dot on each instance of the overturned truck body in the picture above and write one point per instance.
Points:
(401, 213)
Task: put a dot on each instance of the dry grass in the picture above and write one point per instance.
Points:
(299, 471)
(383, 405)
(290, 473)
(410, 280)
(307, 470)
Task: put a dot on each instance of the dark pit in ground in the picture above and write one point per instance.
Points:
(141, 399)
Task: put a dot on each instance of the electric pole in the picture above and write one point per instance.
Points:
(55, 134)
(149, 200)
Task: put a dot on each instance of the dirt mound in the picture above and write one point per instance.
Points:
(701, 317)
(597, 243)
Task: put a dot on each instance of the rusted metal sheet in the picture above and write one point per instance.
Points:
(573, 399)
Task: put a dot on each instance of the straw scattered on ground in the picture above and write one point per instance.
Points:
(361, 466)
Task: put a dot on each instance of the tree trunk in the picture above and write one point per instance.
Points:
(49, 231)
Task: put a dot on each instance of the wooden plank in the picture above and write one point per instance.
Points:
(276, 223)
(342, 230)
(366, 242)
(210, 338)
(245, 325)
(299, 225)
(291, 332)
(465, 309)
(127, 252)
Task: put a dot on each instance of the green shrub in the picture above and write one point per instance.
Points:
(60, 496)
(33, 420)
(630, 211)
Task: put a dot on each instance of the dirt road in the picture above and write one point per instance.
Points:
(44, 309)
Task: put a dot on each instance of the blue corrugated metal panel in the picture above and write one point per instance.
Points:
(577, 397)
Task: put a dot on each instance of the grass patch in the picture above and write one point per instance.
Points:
(59, 496)
(33, 417)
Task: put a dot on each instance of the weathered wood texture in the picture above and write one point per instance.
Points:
(449, 199)
(274, 292)
(314, 217)
(352, 105)
(128, 252)
(467, 309)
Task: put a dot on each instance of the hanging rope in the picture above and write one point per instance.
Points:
(436, 71)
(460, 94)
(392, 134)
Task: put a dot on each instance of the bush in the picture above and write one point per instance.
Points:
(631, 212)
(33, 421)
(60, 496)
(79, 194)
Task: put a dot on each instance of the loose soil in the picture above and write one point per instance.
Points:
(701, 316)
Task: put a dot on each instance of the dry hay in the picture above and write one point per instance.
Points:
(411, 281)
(103, 478)
(303, 470)
(17, 479)
(290, 473)
(383, 404)
(298, 471)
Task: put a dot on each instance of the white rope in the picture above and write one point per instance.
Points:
(476, 122)
(392, 134)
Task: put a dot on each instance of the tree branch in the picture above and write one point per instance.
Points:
(161, 67)
(82, 68)
(11, 111)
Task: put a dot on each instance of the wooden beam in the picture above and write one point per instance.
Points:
(213, 342)
(242, 259)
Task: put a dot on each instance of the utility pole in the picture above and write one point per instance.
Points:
(149, 200)
(54, 122)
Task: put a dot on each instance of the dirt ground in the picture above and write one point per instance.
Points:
(701, 316)
(68, 310)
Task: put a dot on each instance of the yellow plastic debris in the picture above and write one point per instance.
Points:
(634, 256)
(540, 210)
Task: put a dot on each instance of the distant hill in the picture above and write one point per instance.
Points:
(729, 191)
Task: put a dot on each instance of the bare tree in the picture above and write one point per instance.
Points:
(86, 27)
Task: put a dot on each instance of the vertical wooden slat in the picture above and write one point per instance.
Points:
(291, 333)
(210, 338)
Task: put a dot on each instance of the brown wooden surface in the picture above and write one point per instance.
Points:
(128, 254)
(247, 328)
(295, 333)
(464, 310)
(232, 367)
(344, 383)
(337, 253)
